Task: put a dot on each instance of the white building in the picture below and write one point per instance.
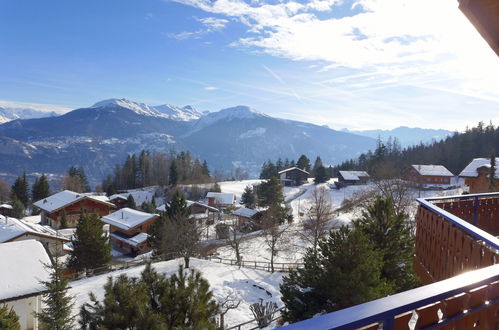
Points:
(22, 269)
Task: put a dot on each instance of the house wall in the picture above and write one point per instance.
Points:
(297, 176)
(73, 211)
(415, 177)
(120, 203)
(54, 246)
(25, 309)
(143, 228)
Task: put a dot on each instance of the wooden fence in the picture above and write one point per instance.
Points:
(261, 265)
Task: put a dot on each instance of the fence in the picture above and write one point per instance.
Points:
(261, 265)
(241, 325)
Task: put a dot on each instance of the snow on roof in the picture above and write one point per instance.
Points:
(134, 240)
(6, 206)
(162, 207)
(293, 168)
(127, 218)
(222, 198)
(11, 228)
(353, 175)
(245, 212)
(471, 169)
(24, 261)
(432, 170)
(115, 196)
(66, 197)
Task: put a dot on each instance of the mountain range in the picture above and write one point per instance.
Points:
(9, 114)
(407, 136)
(100, 136)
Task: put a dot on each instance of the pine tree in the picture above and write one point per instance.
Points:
(345, 271)
(248, 197)
(91, 248)
(303, 163)
(390, 235)
(17, 209)
(173, 176)
(20, 190)
(40, 189)
(320, 175)
(56, 313)
(270, 193)
(317, 164)
(131, 202)
(64, 220)
(8, 318)
(206, 170)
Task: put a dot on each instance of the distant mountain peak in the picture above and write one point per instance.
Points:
(239, 111)
(185, 113)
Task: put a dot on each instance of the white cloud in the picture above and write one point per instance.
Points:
(211, 24)
(34, 106)
(210, 88)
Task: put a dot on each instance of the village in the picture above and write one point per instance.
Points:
(231, 224)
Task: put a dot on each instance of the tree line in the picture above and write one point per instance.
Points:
(318, 171)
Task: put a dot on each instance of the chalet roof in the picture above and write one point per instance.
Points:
(127, 218)
(162, 207)
(245, 212)
(24, 261)
(222, 198)
(134, 240)
(117, 196)
(432, 170)
(293, 169)
(353, 175)
(5, 206)
(64, 198)
(470, 171)
(11, 228)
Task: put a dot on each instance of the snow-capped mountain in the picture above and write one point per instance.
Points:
(8, 114)
(100, 136)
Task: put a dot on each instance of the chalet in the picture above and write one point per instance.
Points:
(429, 175)
(223, 200)
(244, 214)
(128, 230)
(293, 176)
(198, 210)
(6, 210)
(120, 201)
(12, 230)
(347, 178)
(23, 267)
(72, 205)
(477, 175)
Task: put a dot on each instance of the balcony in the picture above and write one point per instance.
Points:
(457, 260)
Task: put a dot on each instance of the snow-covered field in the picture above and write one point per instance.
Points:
(244, 284)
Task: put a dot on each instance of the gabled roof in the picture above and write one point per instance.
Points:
(64, 198)
(470, 171)
(134, 240)
(11, 228)
(353, 175)
(245, 212)
(293, 169)
(6, 206)
(22, 269)
(117, 196)
(162, 207)
(432, 170)
(222, 198)
(127, 218)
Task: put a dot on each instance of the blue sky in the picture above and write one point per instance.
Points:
(359, 64)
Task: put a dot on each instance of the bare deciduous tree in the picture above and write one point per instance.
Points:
(273, 230)
(318, 217)
(229, 302)
(234, 240)
(4, 191)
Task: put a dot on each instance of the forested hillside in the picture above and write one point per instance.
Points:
(454, 152)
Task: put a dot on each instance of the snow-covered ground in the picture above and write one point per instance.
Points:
(248, 285)
(237, 187)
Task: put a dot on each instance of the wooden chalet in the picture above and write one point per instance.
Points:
(484, 15)
(293, 176)
(6, 210)
(120, 201)
(12, 230)
(477, 175)
(128, 230)
(348, 178)
(197, 210)
(429, 175)
(220, 200)
(71, 204)
(244, 214)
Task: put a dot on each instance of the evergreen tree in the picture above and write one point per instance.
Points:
(269, 170)
(56, 313)
(270, 193)
(248, 197)
(320, 175)
(177, 207)
(345, 271)
(64, 220)
(91, 248)
(20, 190)
(492, 175)
(391, 236)
(83, 179)
(40, 189)
(317, 164)
(206, 170)
(130, 202)
(303, 163)
(17, 209)
(8, 318)
(173, 176)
